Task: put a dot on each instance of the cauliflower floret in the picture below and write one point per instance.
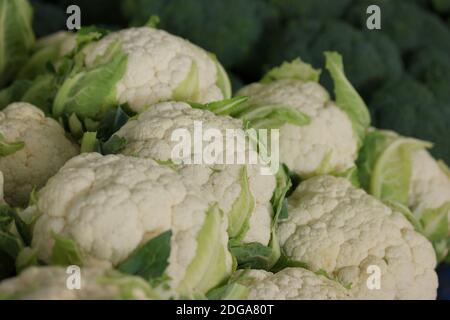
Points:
(149, 136)
(157, 63)
(289, 284)
(355, 237)
(327, 144)
(50, 283)
(110, 205)
(46, 148)
(430, 186)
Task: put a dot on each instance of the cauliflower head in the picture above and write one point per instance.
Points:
(317, 136)
(355, 238)
(50, 283)
(34, 148)
(289, 284)
(241, 191)
(327, 144)
(117, 209)
(139, 67)
(400, 170)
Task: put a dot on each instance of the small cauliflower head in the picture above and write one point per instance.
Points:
(52, 283)
(289, 284)
(34, 148)
(240, 190)
(139, 67)
(359, 241)
(118, 210)
(317, 135)
(327, 144)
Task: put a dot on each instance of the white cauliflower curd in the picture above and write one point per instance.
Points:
(241, 191)
(289, 284)
(351, 235)
(116, 208)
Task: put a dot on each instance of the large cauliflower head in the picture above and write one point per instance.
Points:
(111, 206)
(51, 283)
(355, 238)
(241, 191)
(139, 67)
(289, 284)
(326, 145)
(39, 148)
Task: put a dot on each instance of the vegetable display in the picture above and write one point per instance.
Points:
(224, 150)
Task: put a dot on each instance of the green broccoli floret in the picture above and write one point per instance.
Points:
(231, 29)
(370, 58)
(324, 9)
(411, 109)
(432, 67)
(407, 24)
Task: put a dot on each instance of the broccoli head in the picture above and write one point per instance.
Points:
(370, 58)
(411, 109)
(410, 26)
(230, 29)
(432, 67)
(324, 9)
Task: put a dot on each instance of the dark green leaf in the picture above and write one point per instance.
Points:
(150, 260)
(252, 255)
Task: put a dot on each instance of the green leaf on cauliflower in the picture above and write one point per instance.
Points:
(241, 210)
(16, 37)
(65, 252)
(150, 260)
(8, 148)
(228, 107)
(208, 268)
(347, 98)
(252, 255)
(296, 69)
(255, 255)
(231, 291)
(26, 258)
(222, 82)
(385, 165)
(273, 116)
(435, 228)
(90, 92)
(351, 175)
(89, 34)
(188, 89)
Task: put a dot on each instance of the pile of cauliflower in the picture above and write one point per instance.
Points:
(90, 188)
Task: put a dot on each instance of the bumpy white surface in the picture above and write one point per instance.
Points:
(50, 283)
(157, 63)
(149, 136)
(342, 230)
(290, 284)
(430, 186)
(109, 205)
(304, 148)
(46, 149)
